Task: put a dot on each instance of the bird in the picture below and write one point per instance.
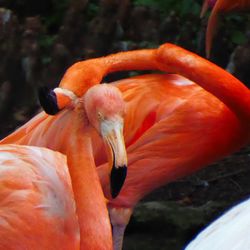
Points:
(229, 231)
(218, 7)
(172, 126)
(167, 58)
(37, 207)
(169, 132)
(101, 109)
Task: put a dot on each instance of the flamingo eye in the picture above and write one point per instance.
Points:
(100, 116)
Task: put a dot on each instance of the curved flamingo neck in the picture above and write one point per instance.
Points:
(82, 75)
(212, 78)
(131, 60)
(169, 58)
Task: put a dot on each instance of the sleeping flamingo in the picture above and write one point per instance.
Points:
(229, 231)
(219, 6)
(172, 126)
(37, 205)
(102, 108)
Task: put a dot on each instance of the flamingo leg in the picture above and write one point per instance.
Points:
(119, 218)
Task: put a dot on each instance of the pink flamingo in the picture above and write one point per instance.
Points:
(173, 127)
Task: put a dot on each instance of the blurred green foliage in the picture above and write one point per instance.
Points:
(236, 27)
(92, 10)
(54, 18)
(182, 7)
(238, 37)
(178, 22)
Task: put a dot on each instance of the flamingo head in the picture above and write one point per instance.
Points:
(105, 107)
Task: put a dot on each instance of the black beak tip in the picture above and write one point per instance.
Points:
(48, 100)
(117, 178)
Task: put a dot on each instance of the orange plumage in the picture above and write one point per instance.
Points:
(173, 127)
(37, 208)
(69, 132)
(91, 205)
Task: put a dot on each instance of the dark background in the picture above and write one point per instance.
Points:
(39, 40)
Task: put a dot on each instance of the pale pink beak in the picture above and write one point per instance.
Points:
(112, 133)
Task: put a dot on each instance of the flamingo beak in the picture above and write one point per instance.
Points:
(53, 101)
(112, 133)
(48, 100)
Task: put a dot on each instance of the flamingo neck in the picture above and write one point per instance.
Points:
(82, 75)
(119, 217)
(130, 60)
(169, 58)
(95, 228)
(212, 78)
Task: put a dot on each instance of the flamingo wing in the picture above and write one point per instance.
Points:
(37, 209)
(45, 131)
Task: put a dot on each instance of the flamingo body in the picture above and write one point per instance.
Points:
(229, 231)
(68, 133)
(37, 208)
(173, 127)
